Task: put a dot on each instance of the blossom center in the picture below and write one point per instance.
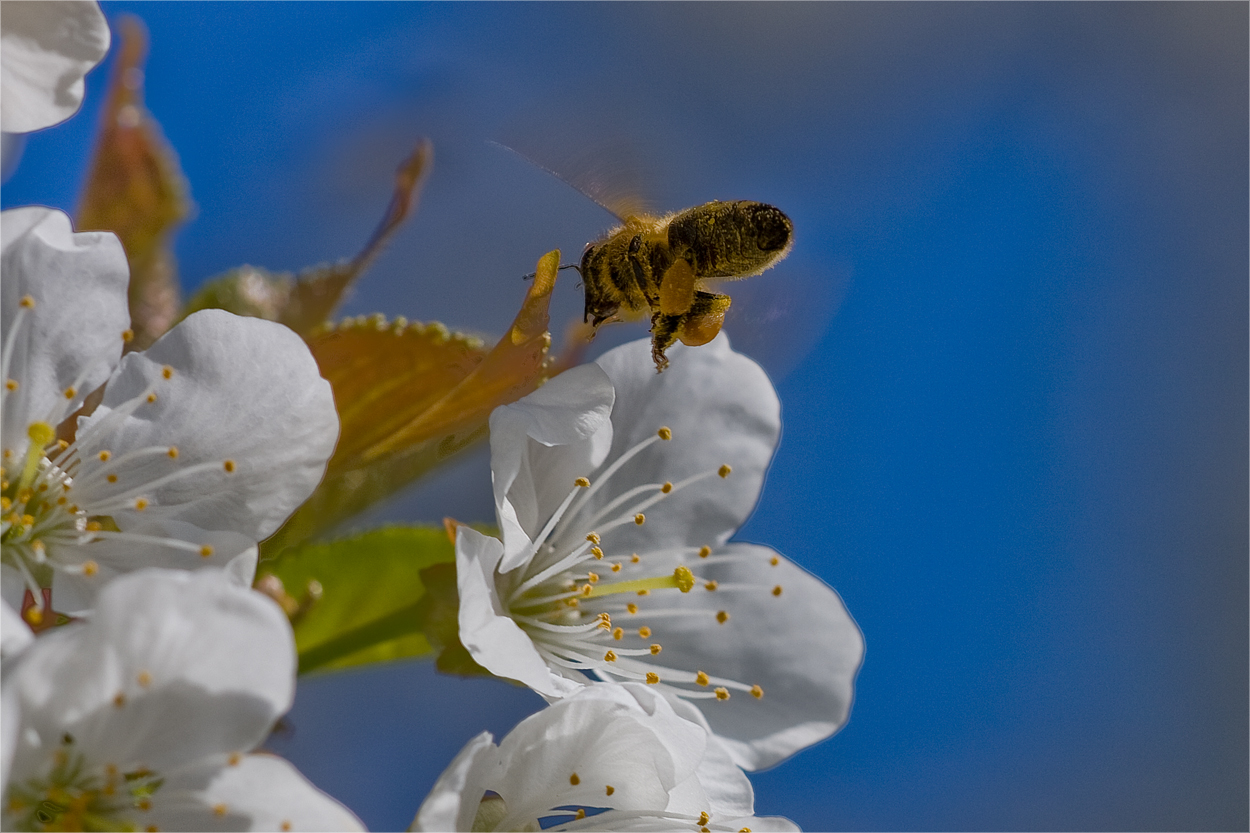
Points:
(74, 795)
(578, 600)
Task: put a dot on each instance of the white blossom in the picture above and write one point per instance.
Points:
(617, 490)
(143, 717)
(202, 445)
(45, 50)
(610, 757)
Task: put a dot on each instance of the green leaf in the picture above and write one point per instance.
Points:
(365, 597)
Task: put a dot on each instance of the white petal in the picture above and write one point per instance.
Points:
(10, 725)
(73, 335)
(540, 444)
(454, 800)
(15, 634)
(604, 741)
(491, 637)
(74, 593)
(725, 788)
(801, 647)
(203, 666)
(243, 390)
(722, 410)
(47, 49)
(261, 792)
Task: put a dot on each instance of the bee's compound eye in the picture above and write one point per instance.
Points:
(635, 244)
(772, 227)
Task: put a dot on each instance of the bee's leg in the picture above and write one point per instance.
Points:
(677, 288)
(663, 336)
(701, 324)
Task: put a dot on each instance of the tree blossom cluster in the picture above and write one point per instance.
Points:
(142, 673)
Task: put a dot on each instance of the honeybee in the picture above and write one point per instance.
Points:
(662, 265)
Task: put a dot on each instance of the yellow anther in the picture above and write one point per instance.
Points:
(652, 678)
(665, 433)
(574, 780)
(711, 585)
(582, 482)
(286, 825)
(774, 561)
(70, 392)
(655, 649)
(61, 445)
(757, 692)
(685, 578)
(592, 577)
(151, 398)
(616, 568)
(705, 830)
(234, 759)
(644, 592)
(62, 500)
(228, 466)
(128, 336)
(640, 519)
(634, 559)
(571, 602)
(141, 504)
(206, 551)
(644, 632)
(119, 699)
(33, 615)
(94, 526)
(721, 693)
(667, 487)
(144, 679)
(580, 814)
(631, 607)
(596, 552)
(10, 385)
(593, 538)
(587, 589)
(40, 433)
(27, 302)
(745, 830)
(219, 809)
(704, 818)
(610, 656)
(144, 804)
(43, 487)
(777, 590)
(90, 568)
(704, 552)
(104, 456)
(610, 789)
(25, 495)
(724, 470)
(722, 617)
(605, 617)
(112, 478)
(167, 372)
(618, 633)
(173, 452)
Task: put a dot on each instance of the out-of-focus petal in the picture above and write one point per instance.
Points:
(259, 792)
(453, 802)
(172, 666)
(47, 49)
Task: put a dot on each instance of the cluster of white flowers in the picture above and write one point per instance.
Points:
(136, 487)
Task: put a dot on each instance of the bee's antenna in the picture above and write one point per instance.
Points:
(531, 275)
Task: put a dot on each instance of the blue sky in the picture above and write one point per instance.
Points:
(1010, 345)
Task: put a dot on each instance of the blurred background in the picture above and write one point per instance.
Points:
(1010, 345)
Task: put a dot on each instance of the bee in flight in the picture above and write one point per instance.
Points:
(661, 266)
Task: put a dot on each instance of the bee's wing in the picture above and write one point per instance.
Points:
(607, 176)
